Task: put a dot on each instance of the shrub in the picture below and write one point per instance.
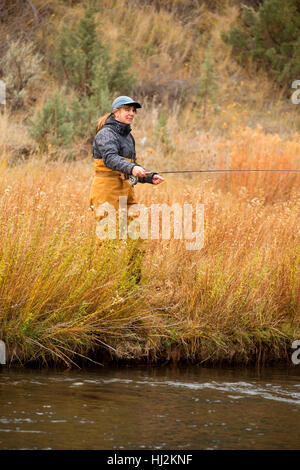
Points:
(21, 66)
(63, 117)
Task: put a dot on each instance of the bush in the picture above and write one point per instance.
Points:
(63, 117)
(21, 66)
(270, 39)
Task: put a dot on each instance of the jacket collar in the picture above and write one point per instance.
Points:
(120, 127)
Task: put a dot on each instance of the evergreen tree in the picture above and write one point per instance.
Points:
(208, 83)
(79, 54)
(84, 62)
(53, 123)
(119, 78)
(162, 132)
(90, 78)
(269, 38)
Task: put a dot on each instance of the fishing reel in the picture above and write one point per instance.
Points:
(133, 180)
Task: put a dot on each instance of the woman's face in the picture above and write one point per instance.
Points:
(125, 114)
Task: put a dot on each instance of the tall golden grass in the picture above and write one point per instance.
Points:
(64, 298)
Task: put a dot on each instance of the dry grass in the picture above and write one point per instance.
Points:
(15, 143)
(63, 297)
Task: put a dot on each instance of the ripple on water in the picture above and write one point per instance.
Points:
(129, 409)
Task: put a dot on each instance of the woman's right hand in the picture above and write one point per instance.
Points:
(138, 171)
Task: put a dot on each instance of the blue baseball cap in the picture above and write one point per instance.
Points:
(121, 100)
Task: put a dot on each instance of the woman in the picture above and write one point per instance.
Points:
(115, 157)
(115, 160)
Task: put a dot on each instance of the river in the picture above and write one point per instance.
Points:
(150, 408)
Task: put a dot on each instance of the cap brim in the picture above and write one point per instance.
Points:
(136, 104)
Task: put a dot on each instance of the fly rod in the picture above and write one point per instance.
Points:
(222, 170)
(133, 180)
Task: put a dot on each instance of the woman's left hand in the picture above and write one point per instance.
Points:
(157, 179)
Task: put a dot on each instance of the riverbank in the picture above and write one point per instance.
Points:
(65, 300)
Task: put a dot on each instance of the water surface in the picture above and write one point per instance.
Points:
(150, 408)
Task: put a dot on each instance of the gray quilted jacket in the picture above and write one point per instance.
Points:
(113, 142)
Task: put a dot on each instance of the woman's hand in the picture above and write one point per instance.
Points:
(157, 179)
(141, 173)
(138, 171)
